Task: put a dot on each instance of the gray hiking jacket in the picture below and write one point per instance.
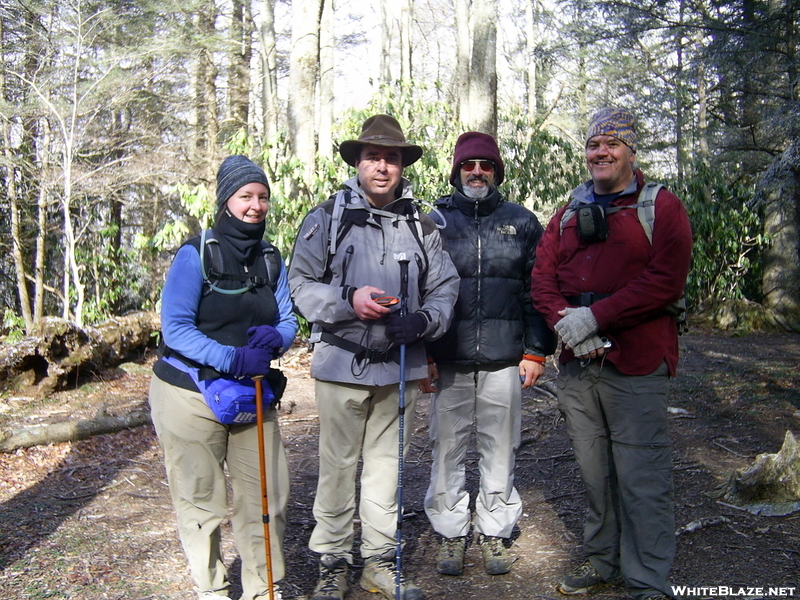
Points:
(369, 244)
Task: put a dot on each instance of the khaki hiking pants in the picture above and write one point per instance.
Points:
(357, 420)
(196, 449)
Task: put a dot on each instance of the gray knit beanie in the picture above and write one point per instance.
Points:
(234, 172)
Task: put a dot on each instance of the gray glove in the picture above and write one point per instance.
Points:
(594, 342)
(577, 325)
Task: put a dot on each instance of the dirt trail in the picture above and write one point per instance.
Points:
(92, 520)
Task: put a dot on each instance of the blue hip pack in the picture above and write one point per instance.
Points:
(233, 401)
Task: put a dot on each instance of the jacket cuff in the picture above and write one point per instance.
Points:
(347, 294)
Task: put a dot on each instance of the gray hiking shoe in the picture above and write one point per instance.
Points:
(495, 555)
(332, 582)
(451, 556)
(379, 577)
(582, 580)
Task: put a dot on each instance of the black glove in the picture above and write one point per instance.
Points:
(267, 337)
(406, 330)
(249, 362)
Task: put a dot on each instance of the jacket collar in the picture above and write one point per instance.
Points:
(584, 193)
(395, 206)
(471, 206)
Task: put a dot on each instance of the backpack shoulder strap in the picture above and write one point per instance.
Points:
(272, 259)
(340, 200)
(646, 208)
(208, 241)
(567, 214)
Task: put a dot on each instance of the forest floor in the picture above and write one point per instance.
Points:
(93, 520)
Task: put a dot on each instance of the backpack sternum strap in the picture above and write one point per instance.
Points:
(216, 273)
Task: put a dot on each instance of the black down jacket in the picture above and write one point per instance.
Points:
(493, 245)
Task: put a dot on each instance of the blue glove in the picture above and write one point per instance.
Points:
(406, 330)
(249, 362)
(267, 337)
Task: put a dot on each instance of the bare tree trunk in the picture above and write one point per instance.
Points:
(326, 50)
(463, 58)
(211, 117)
(680, 110)
(702, 106)
(483, 75)
(16, 235)
(203, 120)
(41, 233)
(269, 71)
(241, 38)
(385, 77)
(781, 278)
(303, 70)
(73, 269)
(406, 21)
(530, 52)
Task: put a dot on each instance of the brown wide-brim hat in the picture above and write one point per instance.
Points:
(380, 130)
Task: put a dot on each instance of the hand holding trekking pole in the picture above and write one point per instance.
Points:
(263, 469)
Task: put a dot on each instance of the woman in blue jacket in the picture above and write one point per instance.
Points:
(225, 314)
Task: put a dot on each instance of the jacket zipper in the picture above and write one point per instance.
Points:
(480, 278)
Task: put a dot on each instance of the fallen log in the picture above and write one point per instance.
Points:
(40, 365)
(13, 438)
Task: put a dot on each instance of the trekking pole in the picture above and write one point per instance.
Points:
(403, 261)
(262, 463)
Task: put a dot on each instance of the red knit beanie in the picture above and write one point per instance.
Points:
(474, 144)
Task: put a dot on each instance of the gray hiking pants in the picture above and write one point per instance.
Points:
(492, 400)
(618, 427)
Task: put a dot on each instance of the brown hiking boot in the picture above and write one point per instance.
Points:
(495, 555)
(583, 580)
(451, 556)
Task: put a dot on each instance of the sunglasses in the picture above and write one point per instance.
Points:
(486, 166)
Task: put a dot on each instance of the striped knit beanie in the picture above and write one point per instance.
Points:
(234, 172)
(614, 122)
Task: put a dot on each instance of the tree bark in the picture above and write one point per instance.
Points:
(406, 21)
(483, 72)
(385, 72)
(303, 71)
(241, 40)
(16, 234)
(461, 79)
(530, 52)
(41, 230)
(327, 42)
(269, 72)
(780, 188)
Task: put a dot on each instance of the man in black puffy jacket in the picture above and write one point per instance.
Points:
(495, 347)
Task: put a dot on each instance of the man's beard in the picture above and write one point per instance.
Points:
(476, 193)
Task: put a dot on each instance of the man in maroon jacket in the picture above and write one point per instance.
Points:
(605, 287)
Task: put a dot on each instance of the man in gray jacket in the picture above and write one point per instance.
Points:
(348, 253)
